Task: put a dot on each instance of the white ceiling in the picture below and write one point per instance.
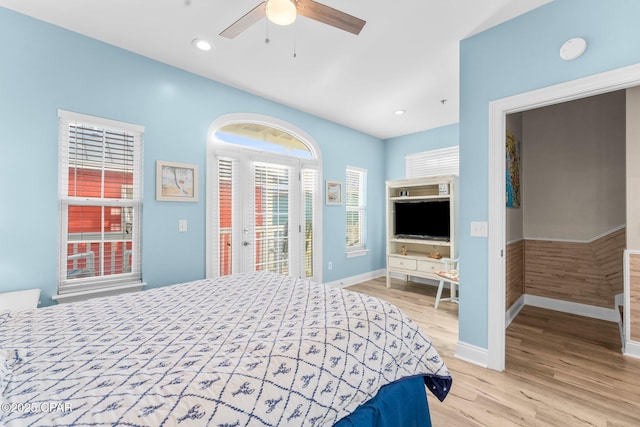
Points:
(406, 56)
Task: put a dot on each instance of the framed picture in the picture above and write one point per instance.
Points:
(176, 182)
(513, 171)
(334, 193)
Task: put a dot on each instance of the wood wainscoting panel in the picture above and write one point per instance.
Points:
(586, 273)
(634, 296)
(609, 251)
(514, 266)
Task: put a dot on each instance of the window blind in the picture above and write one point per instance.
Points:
(271, 217)
(309, 188)
(444, 161)
(100, 199)
(355, 201)
(226, 188)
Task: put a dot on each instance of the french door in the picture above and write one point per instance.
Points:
(265, 215)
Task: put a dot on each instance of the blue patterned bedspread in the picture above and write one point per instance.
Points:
(256, 349)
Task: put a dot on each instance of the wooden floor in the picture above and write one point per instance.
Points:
(561, 369)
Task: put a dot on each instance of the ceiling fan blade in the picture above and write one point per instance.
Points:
(330, 16)
(250, 18)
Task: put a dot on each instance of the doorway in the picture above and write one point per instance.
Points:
(498, 110)
(565, 238)
(263, 199)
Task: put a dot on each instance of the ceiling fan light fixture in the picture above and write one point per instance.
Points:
(201, 44)
(281, 12)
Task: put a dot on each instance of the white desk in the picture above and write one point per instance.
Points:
(20, 300)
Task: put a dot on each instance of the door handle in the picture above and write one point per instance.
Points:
(246, 243)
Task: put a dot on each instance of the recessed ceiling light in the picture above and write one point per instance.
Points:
(201, 44)
(399, 112)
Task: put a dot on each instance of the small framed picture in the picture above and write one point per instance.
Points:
(177, 182)
(334, 193)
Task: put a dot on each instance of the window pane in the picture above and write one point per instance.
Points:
(100, 163)
(356, 210)
(263, 137)
(271, 183)
(99, 241)
(310, 178)
(353, 229)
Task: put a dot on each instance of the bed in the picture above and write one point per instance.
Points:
(255, 349)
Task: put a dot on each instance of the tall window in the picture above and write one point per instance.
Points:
(100, 198)
(356, 203)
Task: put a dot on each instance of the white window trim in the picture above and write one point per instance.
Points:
(360, 250)
(354, 253)
(102, 285)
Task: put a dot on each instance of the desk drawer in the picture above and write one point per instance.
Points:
(404, 263)
(428, 266)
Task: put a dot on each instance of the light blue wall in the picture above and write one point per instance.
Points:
(516, 57)
(396, 149)
(44, 68)
(354, 149)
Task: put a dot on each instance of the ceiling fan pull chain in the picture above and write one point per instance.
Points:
(295, 38)
(267, 39)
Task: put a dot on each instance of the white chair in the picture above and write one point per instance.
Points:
(450, 275)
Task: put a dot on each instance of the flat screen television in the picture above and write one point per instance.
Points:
(424, 219)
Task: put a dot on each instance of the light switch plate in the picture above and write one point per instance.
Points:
(479, 229)
(182, 225)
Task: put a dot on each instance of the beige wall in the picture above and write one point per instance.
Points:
(633, 171)
(573, 157)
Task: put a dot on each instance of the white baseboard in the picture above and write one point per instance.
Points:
(608, 314)
(513, 311)
(472, 354)
(632, 348)
(348, 281)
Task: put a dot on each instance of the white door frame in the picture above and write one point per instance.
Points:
(609, 81)
(211, 270)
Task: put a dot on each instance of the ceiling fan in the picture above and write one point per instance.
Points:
(283, 12)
